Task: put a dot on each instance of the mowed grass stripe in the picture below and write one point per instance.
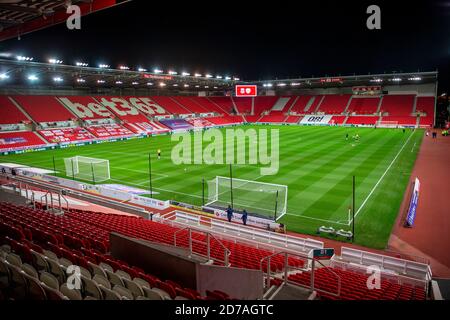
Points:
(315, 163)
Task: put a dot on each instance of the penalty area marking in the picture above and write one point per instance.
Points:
(381, 178)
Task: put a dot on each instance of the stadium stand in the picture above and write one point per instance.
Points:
(273, 119)
(243, 105)
(130, 116)
(301, 103)
(334, 104)
(171, 105)
(354, 286)
(426, 105)
(293, 119)
(226, 120)
(398, 105)
(363, 105)
(20, 140)
(10, 114)
(40, 241)
(224, 103)
(199, 122)
(109, 131)
(86, 108)
(362, 120)
(262, 104)
(405, 120)
(191, 105)
(66, 135)
(338, 120)
(209, 105)
(44, 108)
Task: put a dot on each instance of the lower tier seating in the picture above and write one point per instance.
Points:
(19, 140)
(66, 135)
(354, 286)
(362, 120)
(109, 131)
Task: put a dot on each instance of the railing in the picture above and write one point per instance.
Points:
(288, 269)
(246, 232)
(403, 267)
(209, 237)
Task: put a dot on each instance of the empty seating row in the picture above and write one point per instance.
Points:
(20, 140)
(44, 108)
(364, 105)
(10, 113)
(54, 251)
(334, 104)
(109, 130)
(66, 135)
(354, 286)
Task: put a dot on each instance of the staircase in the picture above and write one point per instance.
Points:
(280, 104)
(318, 105)
(309, 104)
(293, 104)
(348, 104)
(379, 104)
(414, 105)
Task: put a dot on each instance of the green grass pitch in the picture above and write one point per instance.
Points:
(316, 163)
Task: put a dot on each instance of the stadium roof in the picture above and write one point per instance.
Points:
(19, 17)
(24, 72)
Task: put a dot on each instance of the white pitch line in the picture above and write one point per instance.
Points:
(318, 219)
(381, 178)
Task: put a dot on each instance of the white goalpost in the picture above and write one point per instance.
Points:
(85, 168)
(264, 199)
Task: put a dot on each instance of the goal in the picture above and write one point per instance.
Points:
(387, 124)
(268, 200)
(90, 169)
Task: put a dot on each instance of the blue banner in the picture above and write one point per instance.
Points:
(410, 217)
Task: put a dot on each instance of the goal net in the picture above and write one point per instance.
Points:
(84, 168)
(387, 124)
(258, 198)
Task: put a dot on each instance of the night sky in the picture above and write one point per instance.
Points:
(255, 40)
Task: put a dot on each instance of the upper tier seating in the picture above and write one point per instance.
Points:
(426, 104)
(170, 105)
(398, 105)
(66, 135)
(209, 105)
(364, 105)
(10, 114)
(334, 104)
(86, 108)
(191, 105)
(19, 140)
(109, 130)
(224, 103)
(368, 120)
(301, 103)
(44, 108)
(252, 119)
(262, 104)
(243, 105)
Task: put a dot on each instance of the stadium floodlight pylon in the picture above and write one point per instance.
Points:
(268, 200)
(89, 169)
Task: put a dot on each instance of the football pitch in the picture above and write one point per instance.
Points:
(316, 163)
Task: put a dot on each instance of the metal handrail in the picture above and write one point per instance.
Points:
(209, 236)
(286, 267)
